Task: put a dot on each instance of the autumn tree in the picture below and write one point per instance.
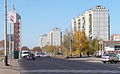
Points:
(80, 42)
(2, 47)
(76, 43)
(49, 48)
(1, 52)
(25, 48)
(2, 44)
(37, 49)
(84, 43)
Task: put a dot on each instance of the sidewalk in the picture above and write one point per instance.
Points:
(12, 69)
(87, 59)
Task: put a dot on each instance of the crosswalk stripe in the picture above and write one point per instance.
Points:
(72, 71)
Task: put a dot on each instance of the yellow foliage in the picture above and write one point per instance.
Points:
(77, 52)
(80, 42)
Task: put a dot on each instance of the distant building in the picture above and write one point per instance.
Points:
(52, 38)
(95, 22)
(115, 37)
(43, 40)
(56, 36)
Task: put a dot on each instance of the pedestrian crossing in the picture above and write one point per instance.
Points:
(71, 71)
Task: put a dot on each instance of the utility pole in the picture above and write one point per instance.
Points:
(5, 33)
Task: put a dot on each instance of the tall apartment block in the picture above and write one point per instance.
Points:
(52, 38)
(43, 40)
(95, 22)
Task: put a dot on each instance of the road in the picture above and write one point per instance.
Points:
(63, 66)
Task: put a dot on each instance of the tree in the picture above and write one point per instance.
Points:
(1, 52)
(25, 48)
(76, 43)
(80, 42)
(2, 44)
(84, 43)
(95, 44)
(49, 48)
(37, 49)
(66, 44)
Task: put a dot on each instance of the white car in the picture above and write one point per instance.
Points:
(110, 57)
(37, 54)
(118, 55)
(44, 55)
(105, 58)
(24, 53)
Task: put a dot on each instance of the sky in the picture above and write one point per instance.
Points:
(41, 16)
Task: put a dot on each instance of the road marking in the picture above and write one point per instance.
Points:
(72, 71)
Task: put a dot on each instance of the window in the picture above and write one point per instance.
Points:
(117, 47)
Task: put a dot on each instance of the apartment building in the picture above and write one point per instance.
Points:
(52, 38)
(95, 22)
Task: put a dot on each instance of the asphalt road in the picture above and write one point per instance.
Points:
(63, 66)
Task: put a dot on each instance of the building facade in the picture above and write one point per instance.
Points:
(115, 37)
(95, 22)
(52, 38)
(109, 46)
(43, 40)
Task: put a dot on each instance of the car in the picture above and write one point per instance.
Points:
(44, 55)
(37, 54)
(118, 55)
(30, 56)
(109, 57)
(24, 54)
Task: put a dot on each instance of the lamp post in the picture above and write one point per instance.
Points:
(5, 33)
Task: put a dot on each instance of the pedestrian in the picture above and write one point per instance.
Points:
(87, 54)
(80, 55)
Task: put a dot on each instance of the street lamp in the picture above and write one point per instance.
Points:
(5, 33)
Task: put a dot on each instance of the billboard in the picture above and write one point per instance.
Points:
(14, 17)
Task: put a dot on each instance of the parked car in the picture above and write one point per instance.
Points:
(30, 56)
(110, 57)
(118, 55)
(24, 54)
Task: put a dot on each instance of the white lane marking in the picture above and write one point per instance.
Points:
(73, 71)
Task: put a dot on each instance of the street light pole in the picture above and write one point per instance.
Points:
(5, 33)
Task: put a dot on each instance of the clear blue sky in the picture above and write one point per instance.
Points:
(40, 16)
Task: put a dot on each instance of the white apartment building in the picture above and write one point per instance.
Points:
(43, 40)
(52, 38)
(95, 22)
